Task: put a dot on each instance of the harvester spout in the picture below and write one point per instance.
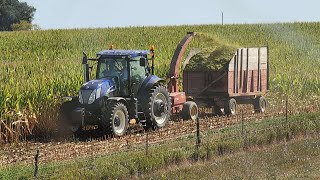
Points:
(173, 74)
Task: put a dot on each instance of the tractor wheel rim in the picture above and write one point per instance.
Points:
(160, 113)
(119, 122)
(194, 112)
(159, 107)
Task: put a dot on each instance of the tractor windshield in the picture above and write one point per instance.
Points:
(112, 68)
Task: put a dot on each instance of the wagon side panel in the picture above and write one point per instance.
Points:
(205, 84)
(193, 82)
(248, 72)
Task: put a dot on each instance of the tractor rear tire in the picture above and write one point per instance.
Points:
(157, 108)
(114, 118)
(230, 107)
(260, 104)
(189, 111)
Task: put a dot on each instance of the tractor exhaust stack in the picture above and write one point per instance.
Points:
(85, 67)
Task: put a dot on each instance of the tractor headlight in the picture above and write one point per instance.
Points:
(80, 98)
(92, 97)
(98, 93)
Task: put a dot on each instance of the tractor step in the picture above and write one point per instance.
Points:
(142, 118)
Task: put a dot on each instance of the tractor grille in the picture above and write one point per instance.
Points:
(85, 95)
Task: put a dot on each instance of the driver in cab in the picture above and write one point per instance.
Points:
(117, 68)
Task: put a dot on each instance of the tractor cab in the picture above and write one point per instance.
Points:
(123, 67)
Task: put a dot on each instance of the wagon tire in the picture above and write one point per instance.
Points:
(189, 111)
(260, 104)
(230, 107)
(217, 111)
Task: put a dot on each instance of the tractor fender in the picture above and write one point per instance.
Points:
(118, 99)
(148, 83)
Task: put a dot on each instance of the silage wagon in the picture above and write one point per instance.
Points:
(244, 80)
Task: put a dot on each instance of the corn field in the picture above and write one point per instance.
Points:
(39, 67)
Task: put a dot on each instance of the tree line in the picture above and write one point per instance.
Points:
(15, 15)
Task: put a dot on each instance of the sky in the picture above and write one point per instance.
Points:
(62, 14)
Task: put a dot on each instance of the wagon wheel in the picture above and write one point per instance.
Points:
(216, 111)
(230, 107)
(189, 111)
(260, 104)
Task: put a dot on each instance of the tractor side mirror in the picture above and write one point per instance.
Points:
(85, 58)
(142, 61)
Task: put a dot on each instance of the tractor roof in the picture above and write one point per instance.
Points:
(132, 53)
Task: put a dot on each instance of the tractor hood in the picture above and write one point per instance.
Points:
(95, 89)
(95, 84)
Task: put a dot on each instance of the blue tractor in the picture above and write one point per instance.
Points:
(124, 90)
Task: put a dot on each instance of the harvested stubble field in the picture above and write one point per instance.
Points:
(56, 149)
(38, 67)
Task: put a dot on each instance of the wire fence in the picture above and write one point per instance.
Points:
(190, 141)
(204, 148)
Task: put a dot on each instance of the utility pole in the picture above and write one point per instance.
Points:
(222, 17)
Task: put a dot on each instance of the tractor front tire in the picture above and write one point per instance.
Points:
(114, 118)
(157, 107)
(189, 111)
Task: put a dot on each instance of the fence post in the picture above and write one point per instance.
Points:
(92, 158)
(36, 163)
(243, 133)
(198, 140)
(287, 110)
(147, 143)
(208, 151)
(198, 132)
(287, 123)
(242, 124)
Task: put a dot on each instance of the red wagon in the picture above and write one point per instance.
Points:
(244, 81)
